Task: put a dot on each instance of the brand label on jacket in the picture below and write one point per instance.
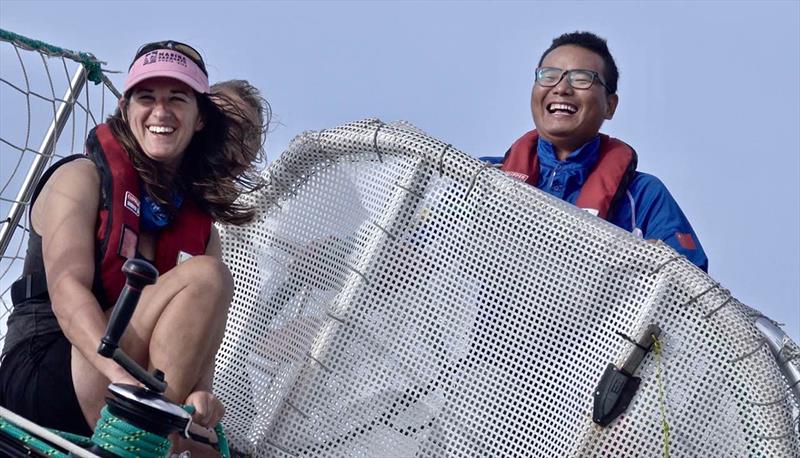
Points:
(132, 202)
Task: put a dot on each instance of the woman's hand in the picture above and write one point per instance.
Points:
(208, 412)
(208, 408)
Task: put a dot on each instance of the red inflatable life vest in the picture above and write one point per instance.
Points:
(606, 183)
(118, 219)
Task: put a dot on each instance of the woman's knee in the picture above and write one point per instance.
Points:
(208, 275)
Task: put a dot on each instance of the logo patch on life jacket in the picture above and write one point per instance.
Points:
(517, 175)
(686, 240)
(128, 243)
(592, 211)
(132, 203)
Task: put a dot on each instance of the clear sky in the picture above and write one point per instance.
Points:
(709, 91)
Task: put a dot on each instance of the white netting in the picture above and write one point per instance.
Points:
(33, 86)
(395, 297)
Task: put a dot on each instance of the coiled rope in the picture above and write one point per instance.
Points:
(123, 439)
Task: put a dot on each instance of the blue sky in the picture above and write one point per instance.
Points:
(709, 91)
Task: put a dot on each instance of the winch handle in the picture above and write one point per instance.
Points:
(138, 274)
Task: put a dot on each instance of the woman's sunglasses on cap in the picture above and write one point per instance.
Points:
(182, 48)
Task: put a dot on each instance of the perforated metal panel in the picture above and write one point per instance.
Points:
(396, 297)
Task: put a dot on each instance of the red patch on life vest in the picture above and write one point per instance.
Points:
(686, 240)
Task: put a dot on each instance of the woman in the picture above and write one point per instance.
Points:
(163, 168)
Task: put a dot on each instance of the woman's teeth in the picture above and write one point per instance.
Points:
(161, 129)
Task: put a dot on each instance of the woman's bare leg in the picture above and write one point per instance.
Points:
(177, 327)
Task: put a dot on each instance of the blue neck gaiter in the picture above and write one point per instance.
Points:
(153, 216)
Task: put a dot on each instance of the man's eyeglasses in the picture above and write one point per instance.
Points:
(578, 79)
(182, 48)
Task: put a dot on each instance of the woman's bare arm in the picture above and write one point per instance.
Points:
(65, 214)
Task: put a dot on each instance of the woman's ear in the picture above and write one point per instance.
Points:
(200, 123)
(122, 106)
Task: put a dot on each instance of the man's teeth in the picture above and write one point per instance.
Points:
(562, 107)
(161, 129)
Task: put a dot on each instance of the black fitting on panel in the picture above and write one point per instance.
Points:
(617, 386)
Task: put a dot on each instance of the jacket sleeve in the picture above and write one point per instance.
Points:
(659, 217)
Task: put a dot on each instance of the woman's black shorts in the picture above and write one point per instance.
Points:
(36, 382)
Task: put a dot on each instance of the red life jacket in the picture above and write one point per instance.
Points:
(606, 183)
(118, 219)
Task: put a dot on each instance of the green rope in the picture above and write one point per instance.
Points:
(93, 68)
(77, 439)
(126, 440)
(113, 435)
(661, 403)
(29, 440)
(224, 449)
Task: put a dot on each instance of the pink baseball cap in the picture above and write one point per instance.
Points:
(165, 59)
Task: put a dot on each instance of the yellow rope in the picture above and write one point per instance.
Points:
(661, 403)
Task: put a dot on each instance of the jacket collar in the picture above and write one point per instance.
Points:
(584, 157)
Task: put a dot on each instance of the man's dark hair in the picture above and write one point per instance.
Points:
(597, 45)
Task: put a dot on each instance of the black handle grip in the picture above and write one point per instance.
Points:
(138, 274)
(154, 381)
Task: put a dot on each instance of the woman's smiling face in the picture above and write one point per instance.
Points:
(163, 115)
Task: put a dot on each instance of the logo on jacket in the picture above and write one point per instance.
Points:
(132, 203)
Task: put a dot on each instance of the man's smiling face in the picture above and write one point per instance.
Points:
(566, 116)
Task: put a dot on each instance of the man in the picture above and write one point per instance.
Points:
(567, 157)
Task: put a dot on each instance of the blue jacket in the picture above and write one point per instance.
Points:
(647, 209)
